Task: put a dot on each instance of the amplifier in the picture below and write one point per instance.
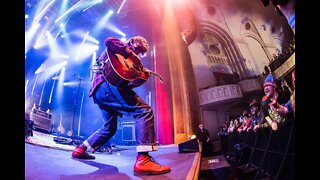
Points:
(28, 125)
(128, 133)
(125, 132)
(40, 122)
(41, 113)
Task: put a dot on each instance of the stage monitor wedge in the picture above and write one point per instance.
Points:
(191, 145)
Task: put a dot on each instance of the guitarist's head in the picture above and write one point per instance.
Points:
(139, 45)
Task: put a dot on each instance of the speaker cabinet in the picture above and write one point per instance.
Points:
(215, 168)
(28, 127)
(125, 134)
(41, 120)
(128, 133)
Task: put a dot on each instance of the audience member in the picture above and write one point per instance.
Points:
(270, 102)
(256, 115)
(246, 121)
(231, 126)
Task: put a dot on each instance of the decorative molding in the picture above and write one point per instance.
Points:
(250, 85)
(220, 93)
(285, 67)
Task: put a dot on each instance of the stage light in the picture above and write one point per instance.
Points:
(26, 16)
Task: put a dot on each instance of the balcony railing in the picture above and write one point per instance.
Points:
(250, 85)
(220, 93)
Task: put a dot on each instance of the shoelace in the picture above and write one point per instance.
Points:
(85, 152)
(153, 160)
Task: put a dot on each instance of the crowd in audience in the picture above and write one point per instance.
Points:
(274, 110)
(282, 55)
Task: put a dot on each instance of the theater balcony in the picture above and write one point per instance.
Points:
(225, 94)
(250, 85)
(284, 68)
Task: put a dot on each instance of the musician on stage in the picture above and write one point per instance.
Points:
(117, 99)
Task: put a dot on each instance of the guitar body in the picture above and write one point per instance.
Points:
(121, 72)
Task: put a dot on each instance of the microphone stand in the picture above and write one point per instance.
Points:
(75, 103)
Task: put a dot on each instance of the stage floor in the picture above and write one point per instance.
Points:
(48, 160)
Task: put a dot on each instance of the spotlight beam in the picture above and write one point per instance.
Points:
(84, 39)
(34, 84)
(69, 10)
(37, 18)
(121, 6)
(54, 82)
(25, 88)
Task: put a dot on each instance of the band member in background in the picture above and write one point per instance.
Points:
(115, 101)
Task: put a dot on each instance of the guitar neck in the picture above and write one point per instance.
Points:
(153, 73)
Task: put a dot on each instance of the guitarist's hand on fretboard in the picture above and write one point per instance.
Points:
(149, 72)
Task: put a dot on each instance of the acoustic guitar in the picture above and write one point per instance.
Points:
(120, 71)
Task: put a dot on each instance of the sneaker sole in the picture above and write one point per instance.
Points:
(150, 173)
(80, 157)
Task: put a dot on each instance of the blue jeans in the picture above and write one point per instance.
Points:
(114, 102)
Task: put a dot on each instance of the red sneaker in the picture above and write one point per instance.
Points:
(81, 153)
(146, 165)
